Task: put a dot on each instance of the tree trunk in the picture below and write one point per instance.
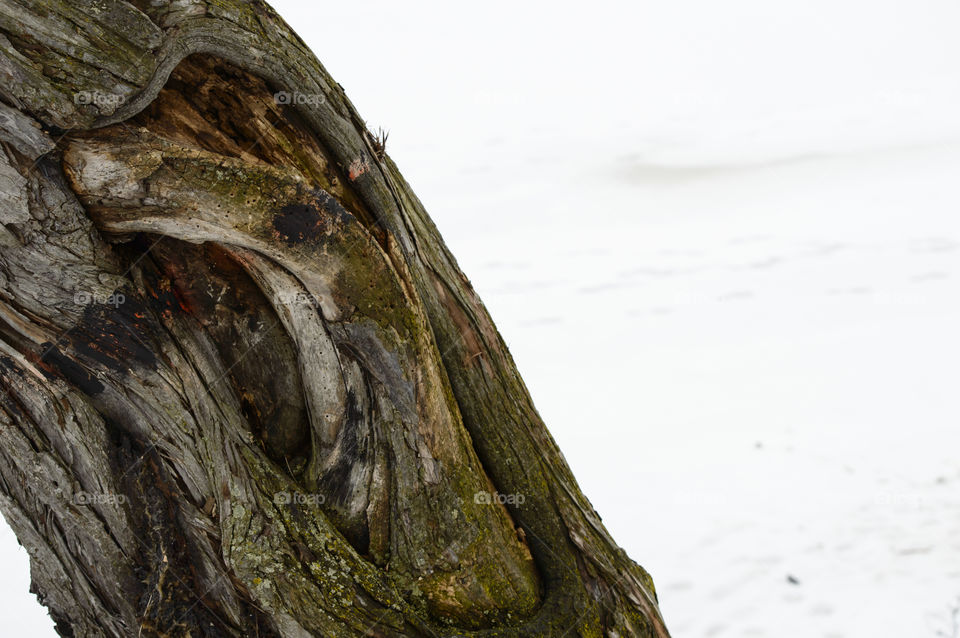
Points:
(246, 389)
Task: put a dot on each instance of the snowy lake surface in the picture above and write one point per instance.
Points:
(722, 241)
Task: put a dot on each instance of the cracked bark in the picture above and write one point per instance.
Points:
(246, 389)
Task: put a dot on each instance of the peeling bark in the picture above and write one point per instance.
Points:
(246, 390)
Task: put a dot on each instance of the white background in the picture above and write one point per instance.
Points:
(722, 242)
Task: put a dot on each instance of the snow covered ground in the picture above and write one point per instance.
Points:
(722, 241)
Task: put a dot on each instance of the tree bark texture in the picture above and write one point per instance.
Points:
(246, 390)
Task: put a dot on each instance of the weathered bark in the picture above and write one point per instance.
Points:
(246, 389)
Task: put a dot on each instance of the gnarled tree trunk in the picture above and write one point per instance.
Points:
(246, 389)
